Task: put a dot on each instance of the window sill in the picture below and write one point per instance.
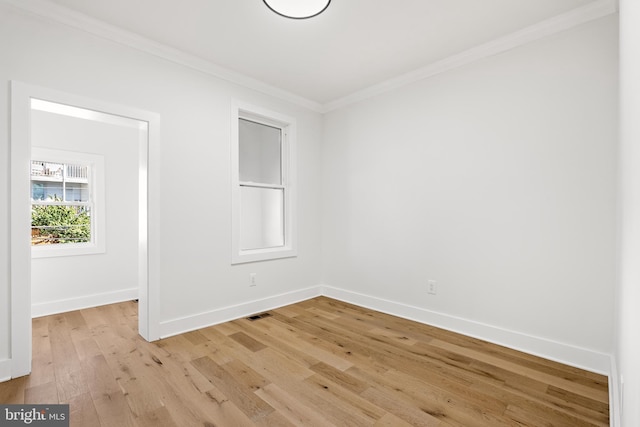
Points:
(70, 249)
(256, 255)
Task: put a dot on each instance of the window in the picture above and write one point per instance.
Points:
(64, 208)
(263, 164)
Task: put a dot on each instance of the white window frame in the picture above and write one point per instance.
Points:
(96, 203)
(289, 163)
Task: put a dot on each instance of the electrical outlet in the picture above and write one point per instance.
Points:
(432, 287)
(252, 279)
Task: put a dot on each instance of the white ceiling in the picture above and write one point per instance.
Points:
(353, 45)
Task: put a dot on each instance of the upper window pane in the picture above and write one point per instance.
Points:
(59, 182)
(260, 153)
(47, 170)
(76, 173)
(50, 191)
(76, 192)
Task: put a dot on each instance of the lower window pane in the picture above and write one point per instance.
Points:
(58, 224)
(262, 218)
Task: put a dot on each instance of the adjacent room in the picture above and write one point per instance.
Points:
(418, 212)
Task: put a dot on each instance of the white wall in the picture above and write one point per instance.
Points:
(628, 301)
(195, 112)
(61, 283)
(497, 179)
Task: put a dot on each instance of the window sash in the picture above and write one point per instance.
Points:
(263, 225)
(272, 235)
(73, 176)
(59, 235)
(260, 152)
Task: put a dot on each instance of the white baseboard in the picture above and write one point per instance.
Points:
(225, 314)
(563, 353)
(573, 356)
(61, 306)
(570, 355)
(5, 370)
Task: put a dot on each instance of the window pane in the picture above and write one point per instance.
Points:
(47, 170)
(260, 153)
(262, 218)
(54, 224)
(77, 173)
(46, 190)
(76, 192)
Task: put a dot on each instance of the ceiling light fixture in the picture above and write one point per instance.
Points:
(297, 9)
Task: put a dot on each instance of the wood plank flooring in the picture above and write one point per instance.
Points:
(316, 363)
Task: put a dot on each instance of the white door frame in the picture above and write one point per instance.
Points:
(20, 247)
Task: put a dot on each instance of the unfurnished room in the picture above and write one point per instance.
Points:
(320, 213)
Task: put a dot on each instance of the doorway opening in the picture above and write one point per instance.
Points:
(31, 105)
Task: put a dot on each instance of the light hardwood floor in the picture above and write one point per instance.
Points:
(316, 363)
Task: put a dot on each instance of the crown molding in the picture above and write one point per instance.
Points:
(562, 22)
(68, 17)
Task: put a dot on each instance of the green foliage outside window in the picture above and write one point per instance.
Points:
(53, 224)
